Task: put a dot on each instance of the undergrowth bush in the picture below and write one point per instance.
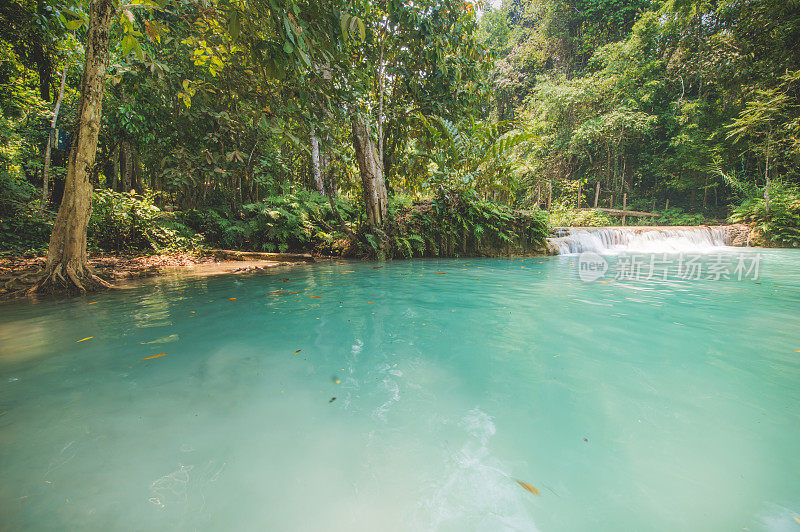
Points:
(293, 222)
(129, 222)
(781, 225)
(674, 216)
(567, 217)
(23, 229)
(458, 223)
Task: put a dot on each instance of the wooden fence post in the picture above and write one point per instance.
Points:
(624, 206)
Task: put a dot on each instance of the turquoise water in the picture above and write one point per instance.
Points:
(630, 405)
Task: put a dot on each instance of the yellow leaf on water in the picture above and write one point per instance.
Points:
(316, 297)
(84, 339)
(796, 519)
(93, 302)
(297, 351)
(231, 299)
(154, 356)
(528, 487)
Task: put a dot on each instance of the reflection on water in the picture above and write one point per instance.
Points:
(403, 399)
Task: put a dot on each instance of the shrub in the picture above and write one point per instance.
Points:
(458, 222)
(128, 222)
(293, 222)
(781, 225)
(565, 217)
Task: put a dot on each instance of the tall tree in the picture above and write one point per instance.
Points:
(66, 267)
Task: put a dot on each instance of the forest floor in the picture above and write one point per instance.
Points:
(18, 273)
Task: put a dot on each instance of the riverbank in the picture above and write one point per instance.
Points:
(18, 273)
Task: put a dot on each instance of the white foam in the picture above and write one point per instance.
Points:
(636, 240)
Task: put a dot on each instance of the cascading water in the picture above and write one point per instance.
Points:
(570, 240)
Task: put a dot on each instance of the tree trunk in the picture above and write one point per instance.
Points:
(115, 173)
(371, 169)
(126, 165)
(46, 171)
(766, 173)
(596, 193)
(66, 267)
(316, 166)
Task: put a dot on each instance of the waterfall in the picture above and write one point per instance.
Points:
(570, 240)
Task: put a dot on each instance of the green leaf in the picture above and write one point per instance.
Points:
(73, 24)
(126, 45)
(287, 47)
(234, 25)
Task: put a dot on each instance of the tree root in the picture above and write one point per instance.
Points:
(66, 278)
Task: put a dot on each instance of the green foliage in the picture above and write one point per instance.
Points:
(293, 222)
(780, 225)
(128, 222)
(458, 222)
(677, 216)
(566, 217)
(23, 229)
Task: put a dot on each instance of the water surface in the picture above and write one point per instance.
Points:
(409, 396)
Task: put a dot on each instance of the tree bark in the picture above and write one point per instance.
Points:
(125, 165)
(46, 170)
(596, 193)
(371, 169)
(316, 166)
(66, 268)
(766, 173)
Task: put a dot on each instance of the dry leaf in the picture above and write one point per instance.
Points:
(316, 297)
(154, 356)
(84, 339)
(528, 487)
(231, 299)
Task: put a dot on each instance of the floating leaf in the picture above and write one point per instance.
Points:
(528, 487)
(332, 399)
(231, 299)
(84, 339)
(316, 297)
(376, 267)
(154, 356)
(297, 351)
(441, 273)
